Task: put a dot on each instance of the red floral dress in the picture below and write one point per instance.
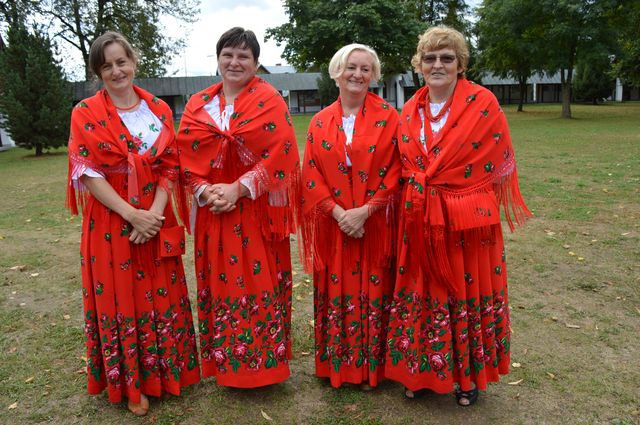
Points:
(242, 258)
(449, 321)
(353, 278)
(138, 322)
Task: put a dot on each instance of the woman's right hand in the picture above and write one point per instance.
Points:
(146, 224)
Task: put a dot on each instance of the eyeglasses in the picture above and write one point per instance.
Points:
(430, 59)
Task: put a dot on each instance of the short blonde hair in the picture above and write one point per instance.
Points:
(96, 53)
(339, 61)
(442, 37)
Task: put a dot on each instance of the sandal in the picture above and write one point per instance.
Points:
(413, 395)
(466, 398)
(139, 409)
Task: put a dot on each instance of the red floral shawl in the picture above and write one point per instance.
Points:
(100, 140)
(373, 179)
(469, 172)
(260, 138)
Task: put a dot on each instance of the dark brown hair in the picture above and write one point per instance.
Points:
(96, 53)
(239, 37)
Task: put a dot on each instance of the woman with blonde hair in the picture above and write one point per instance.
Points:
(351, 175)
(449, 320)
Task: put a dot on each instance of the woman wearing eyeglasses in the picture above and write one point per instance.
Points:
(449, 320)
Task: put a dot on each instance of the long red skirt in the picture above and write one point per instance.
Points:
(138, 322)
(244, 298)
(438, 339)
(351, 307)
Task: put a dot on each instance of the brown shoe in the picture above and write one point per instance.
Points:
(139, 409)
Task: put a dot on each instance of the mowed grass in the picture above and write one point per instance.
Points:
(575, 304)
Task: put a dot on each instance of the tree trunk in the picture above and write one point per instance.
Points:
(38, 149)
(566, 93)
(523, 92)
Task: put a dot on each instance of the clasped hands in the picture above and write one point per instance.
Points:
(146, 224)
(351, 221)
(222, 197)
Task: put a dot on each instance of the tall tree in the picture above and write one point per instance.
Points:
(34, 98)
(81, 21)
(593, 80)
(624, 18)
(510, 40)
(318, 28)
(574, 29)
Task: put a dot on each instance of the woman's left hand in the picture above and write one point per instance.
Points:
(352, 221)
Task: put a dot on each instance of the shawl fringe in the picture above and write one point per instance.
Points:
(319, 236)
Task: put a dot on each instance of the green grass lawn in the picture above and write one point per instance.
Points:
(574, 286)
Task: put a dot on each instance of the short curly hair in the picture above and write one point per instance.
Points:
(442, 37)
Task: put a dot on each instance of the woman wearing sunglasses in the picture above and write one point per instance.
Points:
(449, 320)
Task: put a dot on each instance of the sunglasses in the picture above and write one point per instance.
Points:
(445, 59)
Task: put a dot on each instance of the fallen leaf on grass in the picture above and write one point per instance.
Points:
(13, 350)
(580, 258)
(516, 365)
(518, 382)
(605, 190)
(549, 232)
(295, 285)
(294, 273)
(29, 379)
(624, 234)
(264, 415)
(304, 353)
(551, 375)
(17, 268)
(14, 292)
(351, 407)
(1, 237)
(312, 322)
(298, 298)
(34, 274)
(554, 318)
(23, 304)
(28, 220)
(572, 253)
(13, 406)
(66, 317)
(307, 281)
(83, 358)
(81, 370)
(570, 326)
(566, 246)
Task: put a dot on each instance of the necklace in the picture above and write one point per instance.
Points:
(128, 108)
(440, 114)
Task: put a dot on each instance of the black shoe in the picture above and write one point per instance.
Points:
(466, 398)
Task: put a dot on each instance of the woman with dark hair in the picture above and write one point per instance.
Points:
(123, 171)
(449, 321)
(351, 173)
(240, 160)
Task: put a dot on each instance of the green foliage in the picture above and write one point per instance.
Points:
(510, 41)
(573, 31)
(81, 21)
(625, 19)
(327, 89)
(34, 97)
(317, 29)
(593, 80)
